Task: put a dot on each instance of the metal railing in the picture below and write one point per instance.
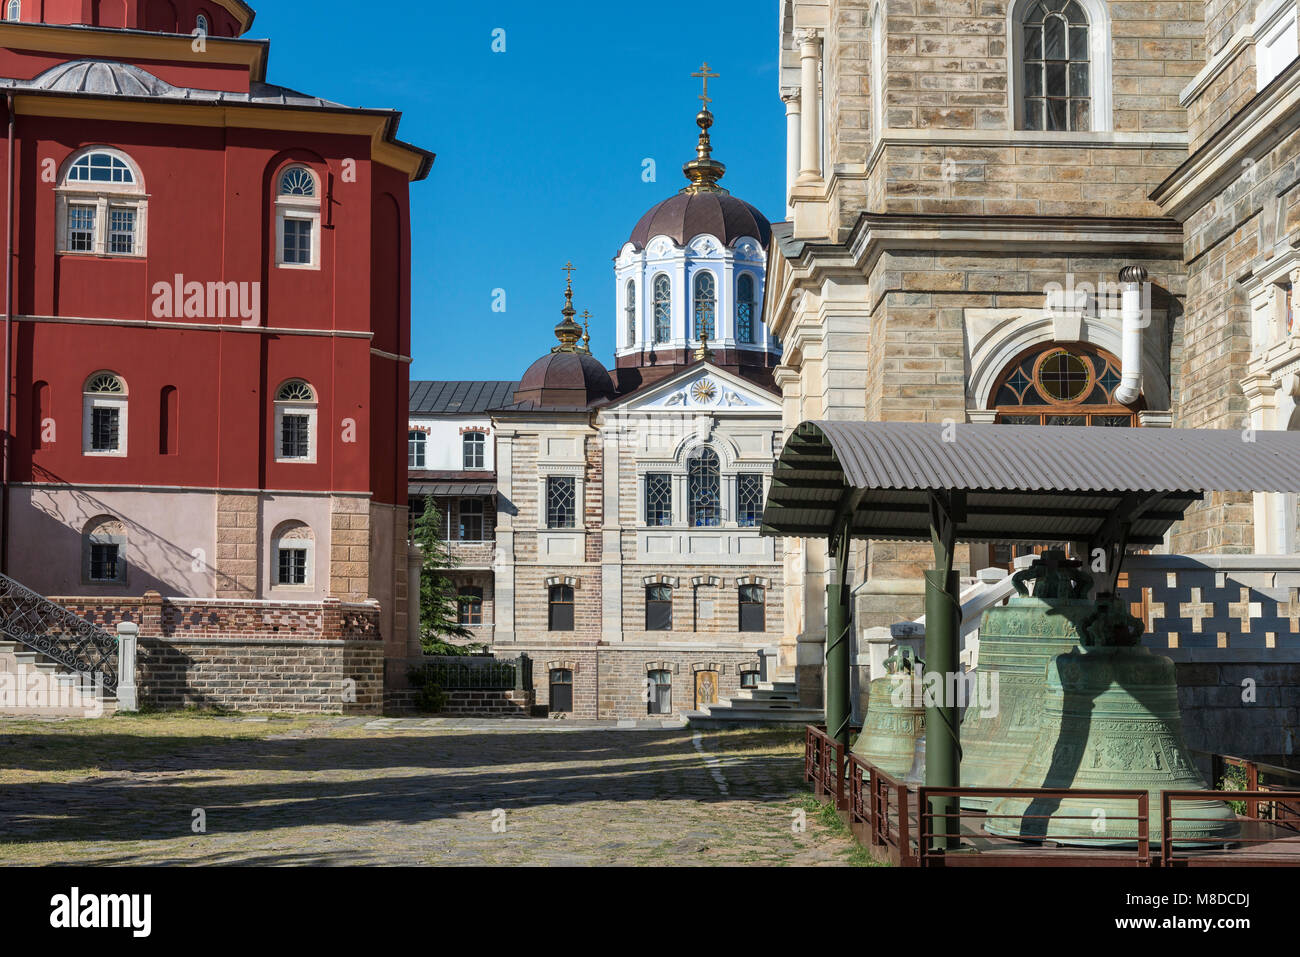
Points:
(478, 674)
(1269, 829)
(902, 824)
(34, 621)
(969, 826)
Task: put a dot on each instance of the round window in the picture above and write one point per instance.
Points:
(1064, 376)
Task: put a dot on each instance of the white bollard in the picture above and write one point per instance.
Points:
(127, 635)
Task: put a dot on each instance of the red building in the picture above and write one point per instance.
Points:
(208, 315)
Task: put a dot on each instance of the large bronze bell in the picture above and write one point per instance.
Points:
(1017, 641)
(1110, 722)
(895, 718)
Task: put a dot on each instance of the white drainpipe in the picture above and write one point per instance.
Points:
(1134, 321)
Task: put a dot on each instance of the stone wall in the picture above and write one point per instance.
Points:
(489, 704)
(1217, 719)
(250, 655)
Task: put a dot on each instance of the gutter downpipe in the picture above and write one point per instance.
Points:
(1133, 320)
(8, 363)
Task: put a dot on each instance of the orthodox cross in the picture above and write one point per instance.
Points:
(706, 76)
(569, 269)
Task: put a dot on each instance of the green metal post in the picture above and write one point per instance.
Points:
(942, 729)
(838, 709)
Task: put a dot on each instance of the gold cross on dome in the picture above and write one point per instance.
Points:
(706, 76)
(569, 269)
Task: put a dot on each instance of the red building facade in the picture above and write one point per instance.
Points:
(208, 316)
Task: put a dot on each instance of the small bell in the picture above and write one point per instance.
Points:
(895, 718)
(1017, 641)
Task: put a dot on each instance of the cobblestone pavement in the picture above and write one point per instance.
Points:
(402, 791)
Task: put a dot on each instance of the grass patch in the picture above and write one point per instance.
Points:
(761, 740)
(824, 815)
(61, 750)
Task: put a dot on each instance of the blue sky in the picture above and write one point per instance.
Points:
(540, 148)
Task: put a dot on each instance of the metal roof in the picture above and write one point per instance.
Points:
(1022, 482)
(452, 489)
(459, 398)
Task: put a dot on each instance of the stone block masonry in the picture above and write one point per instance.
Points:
(250, 655)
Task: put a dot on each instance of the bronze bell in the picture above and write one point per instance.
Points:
(1111, 722)
(1016, 643)
(895, 718)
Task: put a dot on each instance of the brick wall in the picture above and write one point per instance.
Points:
(623, 677)
(270, 674)
(250, 655)
(719, 585)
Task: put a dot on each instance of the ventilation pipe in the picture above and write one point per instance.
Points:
(1133, 321)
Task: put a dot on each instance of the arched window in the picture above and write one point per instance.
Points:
(104, 551)
(704, 481)
(297, 218)
(629, 309)
(14, 10)
(706, 305)
(295, 422)
(101, 206)
(104, 408)
(201, 25)
(560, 608)
(663, 308)
(169, 421)
(1061, 385)
(292, 555)
(474, 447)
(752, 617)
(415, 443)
(745, 308)
(1056, 66)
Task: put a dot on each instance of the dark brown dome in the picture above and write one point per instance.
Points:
(688, 214)
(565, 379)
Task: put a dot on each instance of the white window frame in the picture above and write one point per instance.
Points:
(280, 544)
(300, 208)
(104, 400)
(285, 407)
(11, 14)
(103, 197)
(412, 443)
(201, 26)
(1101, 109)
(464, 447)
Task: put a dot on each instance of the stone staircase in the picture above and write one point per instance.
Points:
(32, 685)
(771, 703)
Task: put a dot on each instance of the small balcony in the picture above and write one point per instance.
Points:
(473, 554)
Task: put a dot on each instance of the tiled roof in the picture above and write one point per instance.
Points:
(459, 398)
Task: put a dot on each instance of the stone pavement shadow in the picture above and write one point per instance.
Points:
(409, 778)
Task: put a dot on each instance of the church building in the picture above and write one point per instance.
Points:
(208, 348)
(627, 560)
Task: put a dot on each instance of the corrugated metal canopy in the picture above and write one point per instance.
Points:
(452, 489)
(1021, 482)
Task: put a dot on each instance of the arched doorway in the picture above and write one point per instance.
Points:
(1057, 384)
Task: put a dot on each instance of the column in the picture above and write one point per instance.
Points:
(503, 564)
(790, 96)
(810, 110)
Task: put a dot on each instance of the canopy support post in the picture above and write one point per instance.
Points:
(839, 620)
(942, 667)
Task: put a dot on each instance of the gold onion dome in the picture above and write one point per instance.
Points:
(568, 376)
(702, 207)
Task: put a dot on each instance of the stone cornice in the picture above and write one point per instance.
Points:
(1271, 115)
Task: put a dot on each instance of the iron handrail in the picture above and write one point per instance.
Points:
(70, 640)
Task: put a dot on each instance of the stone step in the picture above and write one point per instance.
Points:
(71, 694)
(717, 717)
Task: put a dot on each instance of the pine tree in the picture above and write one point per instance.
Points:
(439, 595)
